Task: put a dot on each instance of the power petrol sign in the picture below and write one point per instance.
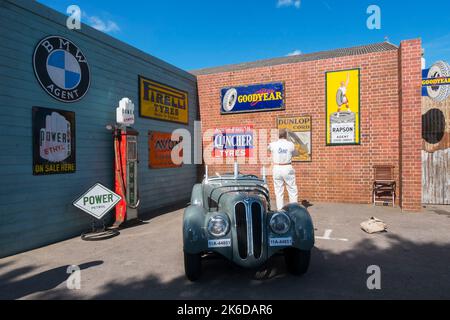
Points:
(98, 201)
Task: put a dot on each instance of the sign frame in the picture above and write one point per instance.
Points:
(152, 166)
(98, 184)
(311, 134)
(234, 130)
(282, 108)
(141, 77)
(35, 145)
(37, 71)
(357, 137)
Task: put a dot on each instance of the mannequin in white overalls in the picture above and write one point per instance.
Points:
(283, 171)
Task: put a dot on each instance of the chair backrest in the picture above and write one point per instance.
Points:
(384, 173)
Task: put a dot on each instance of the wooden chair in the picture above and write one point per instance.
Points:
(384, 185)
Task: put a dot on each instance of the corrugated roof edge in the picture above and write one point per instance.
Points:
(358, 50)
(56, 17)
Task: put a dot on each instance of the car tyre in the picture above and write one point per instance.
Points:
(193, 266)
(297, 261)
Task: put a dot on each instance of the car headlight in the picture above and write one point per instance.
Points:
(280, 223)
(218, 226)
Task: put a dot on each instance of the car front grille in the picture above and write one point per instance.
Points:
(241, 229)
(249, 229)
(257, 229)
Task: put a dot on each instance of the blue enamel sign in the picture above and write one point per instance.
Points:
(254, 98)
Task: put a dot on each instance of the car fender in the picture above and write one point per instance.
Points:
(194, 234)
(303, 227)
(197, 195)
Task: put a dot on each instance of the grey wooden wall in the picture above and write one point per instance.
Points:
(37, 210)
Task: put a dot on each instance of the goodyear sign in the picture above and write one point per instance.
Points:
(254, 98)
(436, 81)
(161, 102)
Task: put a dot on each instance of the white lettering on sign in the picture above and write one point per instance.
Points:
(54, 139)
(97, 201)
(281, 242)
(125, 112)
(223, 243)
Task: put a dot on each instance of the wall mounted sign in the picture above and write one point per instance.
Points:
(98, 201)
(125, 112)
(161, 102)
(53, 141)
(233, 142)
(254, 98)
(62, 69)
(343, 107)
(299, 132)
(436, 81)
(160, 150)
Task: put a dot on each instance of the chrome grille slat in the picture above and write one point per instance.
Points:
(241, 229)
(249, 228)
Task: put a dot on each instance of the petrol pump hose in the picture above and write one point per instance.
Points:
(119, 169)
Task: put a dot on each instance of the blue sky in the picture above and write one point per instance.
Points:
(199, 33)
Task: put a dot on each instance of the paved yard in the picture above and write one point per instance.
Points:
(146, 262)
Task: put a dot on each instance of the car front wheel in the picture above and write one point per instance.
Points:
(297, 261)
(192, 266)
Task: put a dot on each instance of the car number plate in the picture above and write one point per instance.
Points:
(280, 242)
(222, 243)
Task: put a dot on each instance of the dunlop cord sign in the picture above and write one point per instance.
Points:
(299, 133)
(161, 102)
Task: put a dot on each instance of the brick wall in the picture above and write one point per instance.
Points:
(411, 124)
(340, 173)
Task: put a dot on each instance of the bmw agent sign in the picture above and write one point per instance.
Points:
(62, 69)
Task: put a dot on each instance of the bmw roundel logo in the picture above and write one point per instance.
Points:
(62, 69)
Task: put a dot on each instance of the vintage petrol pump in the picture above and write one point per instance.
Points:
(126, 163)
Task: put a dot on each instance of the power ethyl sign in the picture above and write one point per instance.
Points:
(98, 201)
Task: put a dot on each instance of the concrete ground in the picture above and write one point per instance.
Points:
(146, 262)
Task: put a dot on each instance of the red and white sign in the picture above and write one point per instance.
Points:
(235, 142)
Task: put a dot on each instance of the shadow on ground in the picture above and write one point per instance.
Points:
(410, 270)
(15, 285)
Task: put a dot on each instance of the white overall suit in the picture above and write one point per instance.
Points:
(283, 172)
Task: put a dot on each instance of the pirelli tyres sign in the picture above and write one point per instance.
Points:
(162, 102)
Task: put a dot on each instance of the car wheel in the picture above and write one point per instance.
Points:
(192, 266)
(297, 261)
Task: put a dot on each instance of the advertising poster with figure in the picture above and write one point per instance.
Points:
(299, 133)
(53, 141)
(343, 107)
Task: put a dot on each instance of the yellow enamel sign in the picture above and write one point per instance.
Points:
(343, 107)
(161, 102)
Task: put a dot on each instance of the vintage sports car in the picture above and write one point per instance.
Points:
(230, 215)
